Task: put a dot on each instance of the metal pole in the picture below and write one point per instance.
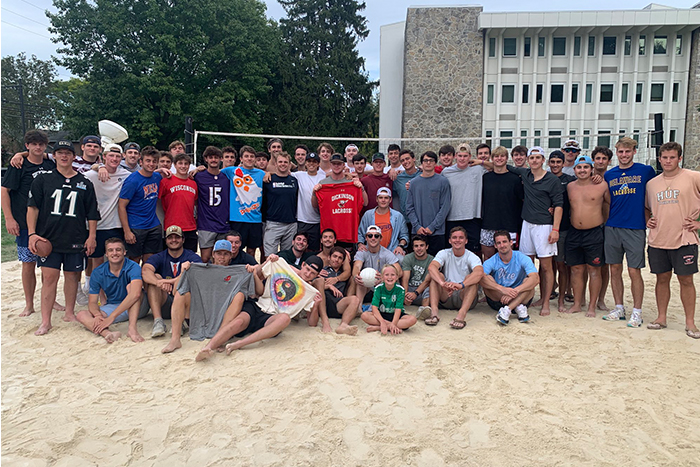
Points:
(21, 107)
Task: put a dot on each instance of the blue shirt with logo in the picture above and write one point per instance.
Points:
(114, 287)
(142, 193)
(246, 194)
(512, 274)
(627, 195)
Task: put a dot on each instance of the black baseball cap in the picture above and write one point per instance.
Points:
(378, 156)
(315, 263)
(337, 158)
(92, 139)
(64, 144)
(132, 145)
(312, 156)
(556, 154)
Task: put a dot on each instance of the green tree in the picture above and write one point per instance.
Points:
(145, 64)
(321, 87)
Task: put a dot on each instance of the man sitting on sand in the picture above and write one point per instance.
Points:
(338, 306)
(416, 280)
(509, 281)
(375, 256)
(120, 279)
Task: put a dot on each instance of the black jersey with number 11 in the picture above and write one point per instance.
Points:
(65, 204)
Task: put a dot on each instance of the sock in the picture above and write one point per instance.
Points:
(636, 311)
(621, 307)
(86, 287)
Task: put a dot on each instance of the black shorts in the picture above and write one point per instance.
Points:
(585, 246)
(683, 261)
(332, 305)
(191, 240)
(498, 305)
(257, 317)
(435, 244)
(148, 242)
(103, 235)
(251, 233)
(473, 228)
(165, 308)
(72, 262)
(368, 296)
(390, 316)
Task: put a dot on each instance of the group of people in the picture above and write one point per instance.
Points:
(154, 233)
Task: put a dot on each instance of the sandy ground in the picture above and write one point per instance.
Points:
(562, 390)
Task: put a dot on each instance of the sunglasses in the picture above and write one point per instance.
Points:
(571, 150)
(373, 236)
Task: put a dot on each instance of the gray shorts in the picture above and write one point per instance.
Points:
(208, 239)
(420, 297)
(454, 302)
(561, 247)
(278, 236)
(620, 242)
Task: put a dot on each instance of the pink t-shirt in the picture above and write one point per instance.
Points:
(671, 200)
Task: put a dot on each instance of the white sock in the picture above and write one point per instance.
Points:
(636, 311)
(87, 283)
(621, 307)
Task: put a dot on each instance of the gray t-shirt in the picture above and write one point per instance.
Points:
(418, 268)
(376, 260)
(212, 289)
(466, 192)
(540, 195)
(456, 268)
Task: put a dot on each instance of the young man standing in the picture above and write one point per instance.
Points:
(308, 218)
(519, 155)
(91, 148)
(673, 200)
(132, 154)
(625, 230)
(61, 203)
(571, 150)
(409, 172)
(455, 274)
(178, 194)
(177, 147)
(230, 156)
(392, 224)
(213, 189)
(300, 153)
(325, 151)
(359, 166)
(137, 208)
(590, 204)
(15, 192)
(601, 156)
(446, 156)
(483, 152)
(428, 202)
(394, 167)
(376, 180)
(280, 201)
(120, 280)
(416, 279)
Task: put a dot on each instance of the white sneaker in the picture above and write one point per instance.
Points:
(618, 314)
(82, 298)
(521, 310)
(635, 321)
(503, 315)
(158, 327)
(423, 312)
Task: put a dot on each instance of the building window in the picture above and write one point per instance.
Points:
(523, 138)
(591, 46)
(559, 46)
(541, 46)
(508, 143)
(635, 136)
(609, 45)
(657, 92)
(554, 142)
(676, 90)
(526, 93)
(589, 93)
(489, 94)
(572, 134)
(489, 135)
(672, 136)
(537, 141)
(574, 93)
(538, 97)
(508, 93)
(660, 45)
(628, 45)
(492, 46)
(642, 45)
(586, 143)
(604, 140)
(606, 92)
(526, 51)
(638, 94)
(557, 93)
(510, 47)
(577, 46)
(625, 92)
(679, 44)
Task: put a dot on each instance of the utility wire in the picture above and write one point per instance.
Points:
(26, 17)
(25, 29)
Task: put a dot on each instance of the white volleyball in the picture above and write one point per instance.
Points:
(369, 277)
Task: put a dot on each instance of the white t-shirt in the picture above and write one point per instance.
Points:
(107, 194)
(285, 291)
(456, 268)
(305, 211)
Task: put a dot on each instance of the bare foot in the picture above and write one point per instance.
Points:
(538, 302)
(220, 349)
(544, 312)
(602, 306)
(27, 311)
(43, 329)
(58, 307)
(203, 355)
(346, 329)
(135, 336)
(113, 337)
(231, 347)
(373, 328)
(562, 308)
(575, 309)
(69, 317)
(590, 314)
(171, 347)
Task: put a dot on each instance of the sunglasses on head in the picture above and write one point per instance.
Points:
(373, 236)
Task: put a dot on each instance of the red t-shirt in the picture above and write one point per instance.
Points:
(340, 206)
(178, 197)
(372, 183)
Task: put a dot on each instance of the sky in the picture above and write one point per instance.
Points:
(24, 26)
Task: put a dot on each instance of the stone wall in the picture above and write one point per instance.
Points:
(443, 76)
(691, 146)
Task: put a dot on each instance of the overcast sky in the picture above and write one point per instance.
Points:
(24, 25)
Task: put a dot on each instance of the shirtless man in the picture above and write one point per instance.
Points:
(590, 204)
(601, 156)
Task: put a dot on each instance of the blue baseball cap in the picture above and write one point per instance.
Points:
(583, 160)
(222, 245)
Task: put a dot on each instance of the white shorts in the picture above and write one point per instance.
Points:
(534, 240)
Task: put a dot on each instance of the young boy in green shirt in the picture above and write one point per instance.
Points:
(387, 313)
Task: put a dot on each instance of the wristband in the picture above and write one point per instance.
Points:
(31, 234)
(462, 284)
(555, 230)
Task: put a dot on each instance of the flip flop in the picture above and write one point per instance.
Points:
(656, 325)
(458, 324)
(554, 295)
(432, 321)
(569, 298)
(694, 334)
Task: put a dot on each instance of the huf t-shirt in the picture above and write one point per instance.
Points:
(213, 193)
(627, 195)
(671, 200)
(280, 198)
(511, 274)
(19, 181)
(246, 194)
(142, 193)
(178, 197)
(340, 206)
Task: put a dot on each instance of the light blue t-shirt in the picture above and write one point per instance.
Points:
(114, 287)
(246, 194)
(142, 193)
(512, 274)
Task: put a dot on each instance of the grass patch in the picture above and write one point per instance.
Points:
(9, 247)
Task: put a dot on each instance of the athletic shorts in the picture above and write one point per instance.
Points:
(419, 297)
(207, 239)
(620, 242)
(454, 302)
(683, 261)
(314, 233)
(103, 235)
(191, 240)
(124, 316)
(560, 257)
(498, 305)
(23, 253)
(148, 242)
(332, 305)
(165, 308)
(390, 316)
(435, 244)
(72, 262)
(585, 247)
(257, 318)
(534, 240)
(251, 233)
(486, 238)
(278, 236)
(473, 228)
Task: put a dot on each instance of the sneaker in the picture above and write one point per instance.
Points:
(635, 321)
(423, 312)
(503, 315)
(521, 310)
(615, 315)
(82, 298)
(158, 328)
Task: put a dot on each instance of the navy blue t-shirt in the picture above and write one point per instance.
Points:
(142, 193)
(169, 267)
(280, 199)
(627, 195)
